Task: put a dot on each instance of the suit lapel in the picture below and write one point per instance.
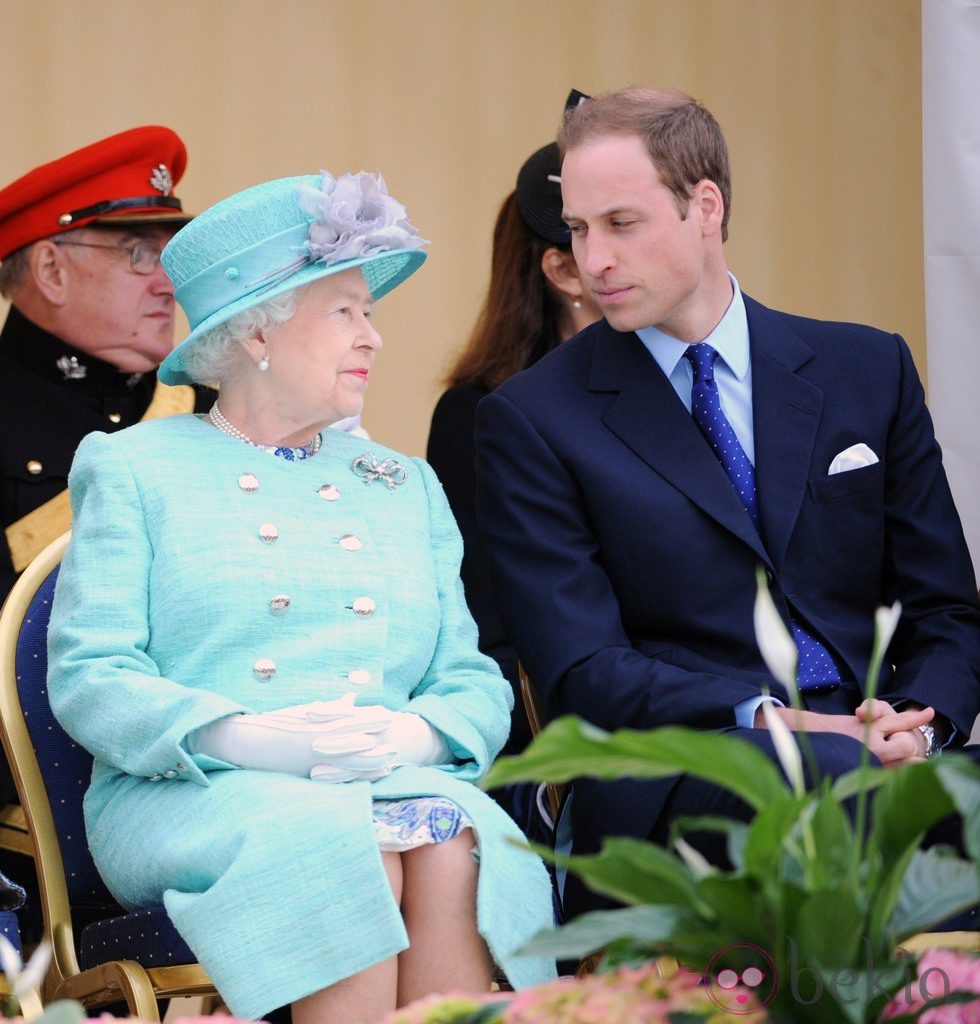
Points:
(651, 420)
(786, 413)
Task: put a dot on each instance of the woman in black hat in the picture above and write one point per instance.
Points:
(535, 301)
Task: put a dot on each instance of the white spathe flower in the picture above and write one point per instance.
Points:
(10, 961)
(697, 863)
(886, 622)
(24, 979)
(353, 216)
(775, 642)
(786, 747)
(32, 976)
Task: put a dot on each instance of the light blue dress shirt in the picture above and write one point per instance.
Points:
(733, 375)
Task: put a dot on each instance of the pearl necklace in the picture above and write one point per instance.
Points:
(299, 453)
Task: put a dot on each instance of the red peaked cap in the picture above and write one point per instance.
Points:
(123, 179)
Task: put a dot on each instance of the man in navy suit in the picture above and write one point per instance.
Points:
(632, 481)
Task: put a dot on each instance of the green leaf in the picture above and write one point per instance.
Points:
(885, 897)
(936, 886)
(570, 748)
(833, 838)
(735, 901)
(64, 1011)
(736, 833)
(850, 783)
(852, 999)
(829, 928)
(767, 836)
(960, 778)
(490, 1013)
(635, 871)
(625, 953)
(910, 801)
(586, 934)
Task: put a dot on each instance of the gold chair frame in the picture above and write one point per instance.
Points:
(538, 720)
(113, 981)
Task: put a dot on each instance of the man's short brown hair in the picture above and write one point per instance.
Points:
(682, 137)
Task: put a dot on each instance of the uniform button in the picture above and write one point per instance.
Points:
(264, 668)
(182, 767)
(269, 532)
(248, 482)
(359, 676)
(279, 604)
(328, 492)
(114, 417)
(170, 774)
(34, 467)
(364, 607)
(155, 778)
(349, 542)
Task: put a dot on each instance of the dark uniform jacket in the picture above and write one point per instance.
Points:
(51, 396)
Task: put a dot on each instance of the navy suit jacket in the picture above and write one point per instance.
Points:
(624, 561)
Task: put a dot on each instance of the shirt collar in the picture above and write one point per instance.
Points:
(730, 338)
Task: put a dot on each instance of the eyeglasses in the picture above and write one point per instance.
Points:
(144, 257)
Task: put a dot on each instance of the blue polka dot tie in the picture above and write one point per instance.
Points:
(816, 667)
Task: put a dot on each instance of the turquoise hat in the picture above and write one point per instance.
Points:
(277, 236)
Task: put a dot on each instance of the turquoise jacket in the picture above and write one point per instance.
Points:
(161, 613)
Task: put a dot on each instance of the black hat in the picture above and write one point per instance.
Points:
(539, 195)
(539, 187)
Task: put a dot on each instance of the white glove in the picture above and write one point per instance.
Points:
(285, 740)
(408, 739)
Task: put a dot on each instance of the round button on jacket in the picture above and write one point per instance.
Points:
(328, 492)
(34, 467)
(350, 542)
(363, 607)
(269, 533)
(279, 604)
(248, 482)
(264, 668)
(359, 676)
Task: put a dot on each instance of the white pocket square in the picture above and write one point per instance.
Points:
(855, 457)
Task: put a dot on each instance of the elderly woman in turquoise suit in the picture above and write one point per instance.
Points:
(260, 634)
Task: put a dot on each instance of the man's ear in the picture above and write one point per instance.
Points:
(48, 271)
(558, 266)
(710, 205)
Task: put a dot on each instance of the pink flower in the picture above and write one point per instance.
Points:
(940, 971)
(628, 996)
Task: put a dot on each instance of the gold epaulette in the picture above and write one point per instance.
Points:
(35, 531)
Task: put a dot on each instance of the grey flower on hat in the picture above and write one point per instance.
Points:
(353, 216)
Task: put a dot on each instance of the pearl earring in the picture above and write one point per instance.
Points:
(263, 364)
(576, 304)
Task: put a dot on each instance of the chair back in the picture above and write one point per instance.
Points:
(50, 769)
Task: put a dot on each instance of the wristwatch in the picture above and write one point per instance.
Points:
(933, 746)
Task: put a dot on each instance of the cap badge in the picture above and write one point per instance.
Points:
(161, 180)
(71, 368)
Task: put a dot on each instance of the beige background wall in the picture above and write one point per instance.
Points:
(820, 100)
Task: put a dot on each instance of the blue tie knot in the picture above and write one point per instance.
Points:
(702, 357)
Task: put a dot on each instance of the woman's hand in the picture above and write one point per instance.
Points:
(286, 740)
(406, 739)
